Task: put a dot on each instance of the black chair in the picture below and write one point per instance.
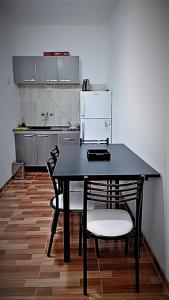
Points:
(113, 223)
(82, 142)
(55, 153)
(76, 201)
(75, 186)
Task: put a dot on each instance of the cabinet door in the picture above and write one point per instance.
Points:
(69, 138)
(45, 144)
(24, 69)
(68, 69)
(46, 69)
(26, 150)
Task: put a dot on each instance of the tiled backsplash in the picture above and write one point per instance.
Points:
(51, 105)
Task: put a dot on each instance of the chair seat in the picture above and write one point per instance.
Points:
(76, 202)
(109, 222)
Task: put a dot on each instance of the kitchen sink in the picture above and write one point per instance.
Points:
(57, 128)
(39, 127)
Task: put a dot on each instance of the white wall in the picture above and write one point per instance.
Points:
(90, 43)
(138, 64)
(9, 106)
(167, 122)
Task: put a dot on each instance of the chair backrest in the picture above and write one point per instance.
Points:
(50, 166)
(110, 190)
(106, 141)
(55, 153)
(57, 184)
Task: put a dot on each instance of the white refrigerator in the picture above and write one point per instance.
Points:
(95, 115)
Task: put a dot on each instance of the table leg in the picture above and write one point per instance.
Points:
(66, 222)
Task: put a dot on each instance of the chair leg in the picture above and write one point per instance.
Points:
(80, 237)
(137, 265)
(137, 278)
(53, 231)
(84, 263)
(97, 248)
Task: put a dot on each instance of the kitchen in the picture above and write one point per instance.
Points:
(121, 57)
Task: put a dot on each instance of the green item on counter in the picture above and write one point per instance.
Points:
(19, 128)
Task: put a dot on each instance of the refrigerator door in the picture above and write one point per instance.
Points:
(95, 104)
(95, 129)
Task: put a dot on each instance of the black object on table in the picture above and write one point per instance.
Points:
(73, 165)
(98, 154)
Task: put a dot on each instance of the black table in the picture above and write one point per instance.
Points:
(73, 164)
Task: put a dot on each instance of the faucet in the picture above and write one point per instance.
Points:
(44, 117)
(69, 123)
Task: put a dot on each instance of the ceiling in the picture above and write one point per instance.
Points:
(58, 12)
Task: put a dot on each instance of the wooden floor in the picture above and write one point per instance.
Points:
(27, 274)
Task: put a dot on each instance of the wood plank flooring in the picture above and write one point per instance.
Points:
(27, 274)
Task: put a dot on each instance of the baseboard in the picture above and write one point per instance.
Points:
(5, 185)
(157, 266)
(36, 169)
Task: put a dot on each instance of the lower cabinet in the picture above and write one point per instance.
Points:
(45, 143)
(34, 148)
(69, 138)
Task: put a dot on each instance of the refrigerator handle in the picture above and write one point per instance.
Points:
(83, 131)
(83, 107)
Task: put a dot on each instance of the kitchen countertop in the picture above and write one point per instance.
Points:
(57, 129)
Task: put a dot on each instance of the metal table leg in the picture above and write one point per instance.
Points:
(66, 222)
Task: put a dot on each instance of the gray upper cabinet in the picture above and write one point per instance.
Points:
(68, 69)
(42, 69)
(46, 69)
(24, 69)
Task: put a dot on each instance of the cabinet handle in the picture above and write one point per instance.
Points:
(51, 80)
(83, 131)
(83, 107)
(29, 80)
(64, 80)
(69, 139)
(29, 135)
(42, 135)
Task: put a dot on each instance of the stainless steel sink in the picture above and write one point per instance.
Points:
(39, 127)
(56, 128)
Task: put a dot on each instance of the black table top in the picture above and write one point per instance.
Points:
(73, 163)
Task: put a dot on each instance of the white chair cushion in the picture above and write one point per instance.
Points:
(109, 222)
(76, 201)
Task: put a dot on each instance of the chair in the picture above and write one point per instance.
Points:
(112, 223)
(55, 153)
(75, 186)
(105, 141)
(76, 202)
